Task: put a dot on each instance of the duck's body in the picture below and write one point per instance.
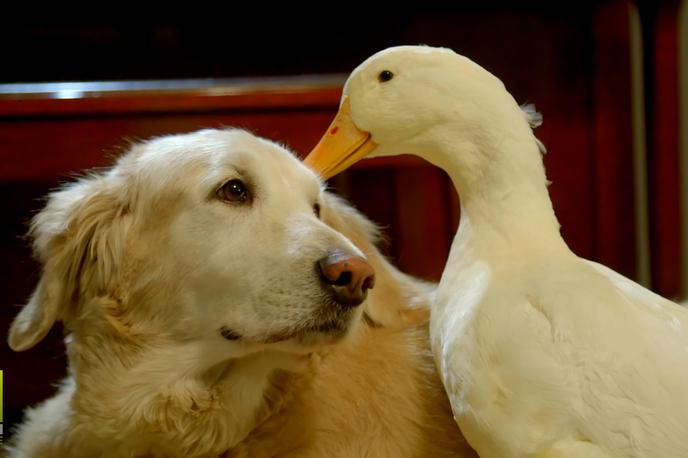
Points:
(556, 353)
(542, 353)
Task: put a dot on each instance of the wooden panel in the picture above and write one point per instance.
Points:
(423, 214)
(612, 140)
(40, 149)
(665, 213)
(209, 100)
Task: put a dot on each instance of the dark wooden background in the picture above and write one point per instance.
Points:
(574, 64)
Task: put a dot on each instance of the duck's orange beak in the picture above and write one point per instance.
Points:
(342, 146)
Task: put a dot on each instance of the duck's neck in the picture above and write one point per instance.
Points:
(505, 206)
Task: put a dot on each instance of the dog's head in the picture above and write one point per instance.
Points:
(213, 235)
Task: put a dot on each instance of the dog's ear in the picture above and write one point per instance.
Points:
(78, 239)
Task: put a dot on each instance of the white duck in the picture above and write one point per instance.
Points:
(542, 353)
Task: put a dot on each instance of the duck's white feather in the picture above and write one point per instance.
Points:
(580, 354)
(542, 353)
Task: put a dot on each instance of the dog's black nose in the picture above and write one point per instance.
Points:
(349, 276)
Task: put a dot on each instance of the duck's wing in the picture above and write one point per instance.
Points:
(643, 297)
(642, 390)
(570, 448)
(603, 358)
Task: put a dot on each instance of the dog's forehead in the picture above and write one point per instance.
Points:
(216, 153)
(265, 161)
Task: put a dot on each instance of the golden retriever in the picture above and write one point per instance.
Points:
(211, 295)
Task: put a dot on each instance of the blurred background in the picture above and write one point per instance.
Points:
(611, 79)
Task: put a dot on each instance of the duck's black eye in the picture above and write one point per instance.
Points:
(316, 210)
(234, 191)
(384, 76)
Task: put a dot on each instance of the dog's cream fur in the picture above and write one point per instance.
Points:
(145, 265)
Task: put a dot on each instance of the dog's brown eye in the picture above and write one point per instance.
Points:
(229, 334)
(234, 191)
(316, 210)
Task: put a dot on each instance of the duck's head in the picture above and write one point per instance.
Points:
(405, 100)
